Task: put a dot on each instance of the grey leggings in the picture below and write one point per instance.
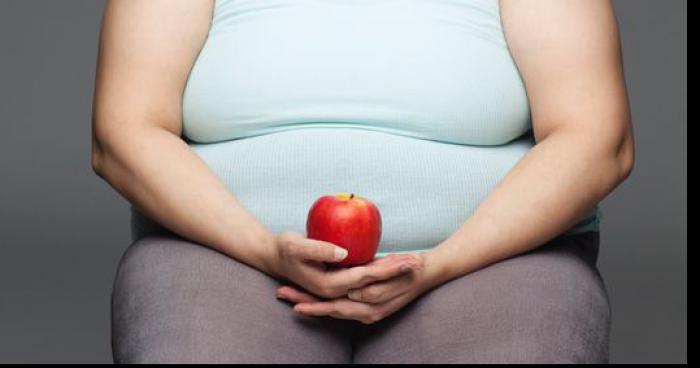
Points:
(177, 301)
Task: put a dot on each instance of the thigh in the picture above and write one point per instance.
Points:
(545, 306)
(177, 301)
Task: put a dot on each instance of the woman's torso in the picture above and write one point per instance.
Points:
(414, 104)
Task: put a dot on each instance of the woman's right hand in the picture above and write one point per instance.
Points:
(304, 261)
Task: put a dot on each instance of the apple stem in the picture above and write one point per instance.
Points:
(352, 195)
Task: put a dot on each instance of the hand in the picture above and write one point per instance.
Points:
(302, 261)
(372, 302)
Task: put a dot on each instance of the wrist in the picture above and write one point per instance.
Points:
(269, 256)
(257, 248)
(435, 271)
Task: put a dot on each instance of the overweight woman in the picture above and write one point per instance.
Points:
(485, 131)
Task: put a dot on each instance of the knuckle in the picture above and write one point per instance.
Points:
(285, 236)
(371, 294)
(401, 257)
(365, 276)
(328, 251)
(368, 279)
(283, 240)
(354, 275)
(397, 258)
(320, 291)
(418, 259)
(410, 257)
(316, 252)
(327, 291)
(341, 311)
(338, 291)
(290, 250)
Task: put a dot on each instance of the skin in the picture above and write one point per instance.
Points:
(145, 56)
(568, 53)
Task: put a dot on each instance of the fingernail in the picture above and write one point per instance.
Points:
(355, 294)
(340, 253)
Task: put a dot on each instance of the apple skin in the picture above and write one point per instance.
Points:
(349, 221)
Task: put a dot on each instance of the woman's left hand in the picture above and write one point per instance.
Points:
(372, 302)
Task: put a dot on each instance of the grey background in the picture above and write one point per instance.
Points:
(62, 230)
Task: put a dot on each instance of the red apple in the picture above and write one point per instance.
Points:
(349, 221)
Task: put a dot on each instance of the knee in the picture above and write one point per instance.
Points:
(542, 307)
(148, 282)
(170, 297)
(154, 263)
(161, 268)
(562, 311)
(157, 295)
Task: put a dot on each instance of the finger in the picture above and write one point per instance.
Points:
(294, 295)
(380, 292)
(316, 250)
(414, 261)
(348, 309)
(315, 309)
(340, 308)
(357, 277)
(334, 283)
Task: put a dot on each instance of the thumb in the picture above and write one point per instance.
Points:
(318, 250)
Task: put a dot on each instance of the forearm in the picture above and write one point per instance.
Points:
(159, 173)
(544, 194)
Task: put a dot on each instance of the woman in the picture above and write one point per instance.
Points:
(486, 132)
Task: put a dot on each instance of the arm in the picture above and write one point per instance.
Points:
(145, 56)
(569, 56)
(568, 53)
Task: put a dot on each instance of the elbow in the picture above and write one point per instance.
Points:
(626, 156)
(108, 145)
(98, 153)
(96, 163)
(97, 159)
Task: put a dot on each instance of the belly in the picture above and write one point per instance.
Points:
(438, 69)
(424, 189)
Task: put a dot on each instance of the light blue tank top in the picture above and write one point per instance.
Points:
(416, 105)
